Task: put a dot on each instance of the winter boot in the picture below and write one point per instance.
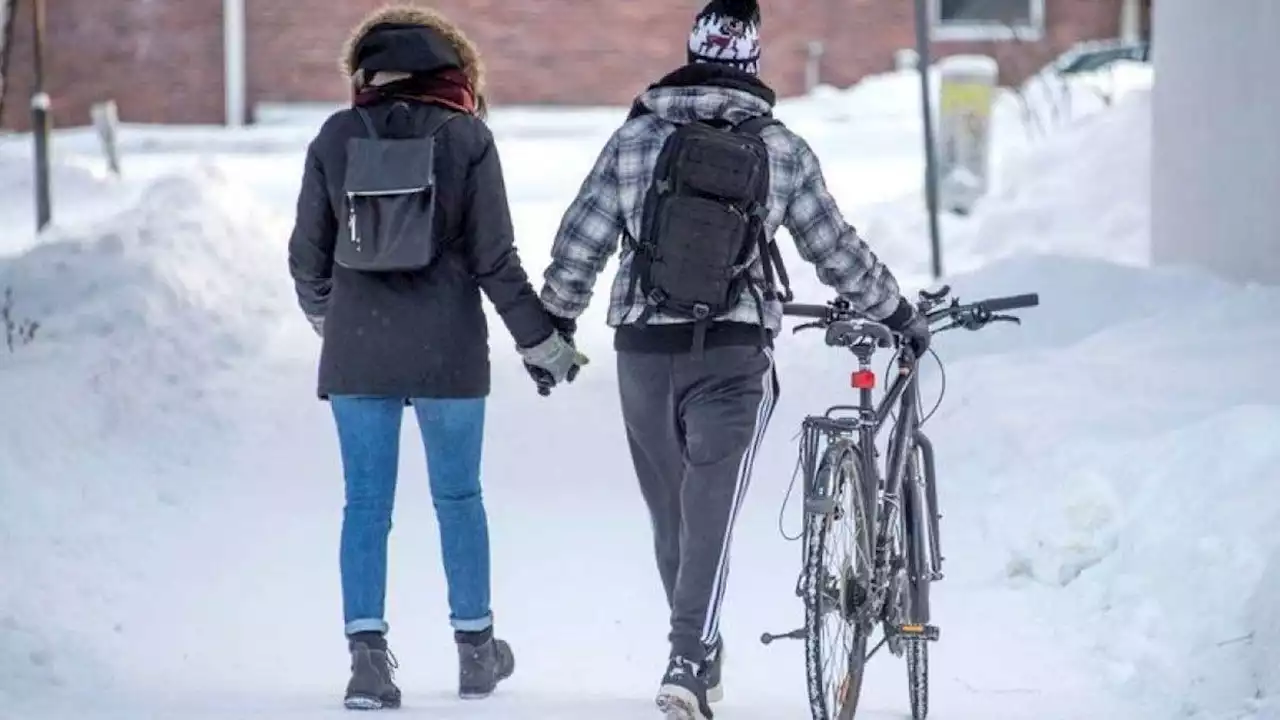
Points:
(372, 664)
(715, 662)
(683, 695)
(483, 662)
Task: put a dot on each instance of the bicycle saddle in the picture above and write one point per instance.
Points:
(846, 333)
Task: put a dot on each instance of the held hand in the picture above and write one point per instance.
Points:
(553, 361)
(915, 332)
(543, 379)
(912, 325)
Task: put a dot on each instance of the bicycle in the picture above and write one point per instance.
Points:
(892, 551)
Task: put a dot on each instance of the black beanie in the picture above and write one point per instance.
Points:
(727, 32)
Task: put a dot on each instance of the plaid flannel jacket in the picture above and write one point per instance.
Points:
(612, 197)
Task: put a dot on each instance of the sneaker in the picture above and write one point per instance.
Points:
(372, 668)
(715, 661)
(683, 695)
(483, 662)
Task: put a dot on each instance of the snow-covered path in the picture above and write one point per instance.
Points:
(232, 612)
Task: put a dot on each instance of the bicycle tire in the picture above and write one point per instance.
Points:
(917, 651)
(839, 475)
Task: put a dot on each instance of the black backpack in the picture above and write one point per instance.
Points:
(703, 224)
(390, 198)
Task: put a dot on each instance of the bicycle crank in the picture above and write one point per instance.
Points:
(797, 634)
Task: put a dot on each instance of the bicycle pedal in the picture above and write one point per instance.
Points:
(797, 634)
(928, 632)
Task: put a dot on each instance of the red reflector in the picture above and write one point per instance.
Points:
(864, 380)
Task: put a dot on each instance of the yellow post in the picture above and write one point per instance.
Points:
(967, 93)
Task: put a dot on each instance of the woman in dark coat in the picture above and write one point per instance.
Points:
(416, 337)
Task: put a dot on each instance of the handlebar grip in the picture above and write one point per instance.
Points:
(1013, 302)
(817, 312)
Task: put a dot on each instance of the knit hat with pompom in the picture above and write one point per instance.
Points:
(727, 32)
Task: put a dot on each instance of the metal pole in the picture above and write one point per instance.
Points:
(930, 155)
(233, 68)
(6, 50)
(40, 119)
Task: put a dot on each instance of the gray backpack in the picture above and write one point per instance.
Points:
(390, 200)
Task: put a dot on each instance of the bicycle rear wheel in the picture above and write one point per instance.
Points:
(836, 582)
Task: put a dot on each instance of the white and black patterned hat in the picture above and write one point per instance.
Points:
(727, 32)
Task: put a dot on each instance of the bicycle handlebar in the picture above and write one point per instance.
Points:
(1012, 302)
(844, 327)
(817, 312)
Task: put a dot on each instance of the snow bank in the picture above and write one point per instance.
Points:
(79, 187)
(1083, 191)
(139, 317)
(178, 283)
(1141, 492)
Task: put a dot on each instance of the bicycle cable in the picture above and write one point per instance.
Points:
(791, 486)
(786, 499)
(942, 390)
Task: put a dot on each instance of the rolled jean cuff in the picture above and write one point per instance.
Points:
(477, 625)
(367, 625)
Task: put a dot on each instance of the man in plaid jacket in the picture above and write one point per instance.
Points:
(694, 422)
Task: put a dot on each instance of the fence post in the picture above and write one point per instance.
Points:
(40, 103)
(813, 65)
(106, 120)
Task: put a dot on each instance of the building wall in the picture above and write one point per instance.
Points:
(162, 61)
(1215, 182)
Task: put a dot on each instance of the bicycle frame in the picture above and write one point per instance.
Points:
(916, 504)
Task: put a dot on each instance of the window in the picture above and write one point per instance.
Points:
(988, 19)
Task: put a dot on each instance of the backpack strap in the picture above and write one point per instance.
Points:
(756, 125)
(368, 123)
(775, 271)
(438, 121)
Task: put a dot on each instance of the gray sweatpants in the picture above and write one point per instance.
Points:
(694, 427)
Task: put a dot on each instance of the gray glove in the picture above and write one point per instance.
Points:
(317, 324)
(555, 355)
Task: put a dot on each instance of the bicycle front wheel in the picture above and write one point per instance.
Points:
(922, 544)
(836, 584)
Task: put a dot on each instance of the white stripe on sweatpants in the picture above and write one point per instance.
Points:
(711, 627)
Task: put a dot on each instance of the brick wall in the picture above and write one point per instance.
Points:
(162, 60)
(864, 34)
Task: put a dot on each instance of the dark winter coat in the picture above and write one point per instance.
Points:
(420, 334)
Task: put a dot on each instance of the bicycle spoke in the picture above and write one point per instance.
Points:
(838, 603)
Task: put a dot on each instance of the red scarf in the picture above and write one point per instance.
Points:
(449, 88)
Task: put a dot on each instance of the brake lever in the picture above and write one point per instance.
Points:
(817, 324)
(1006, 318)
(937, 296)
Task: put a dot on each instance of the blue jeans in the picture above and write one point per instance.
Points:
(369, 438)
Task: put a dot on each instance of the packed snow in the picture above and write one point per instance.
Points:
(170, 490)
